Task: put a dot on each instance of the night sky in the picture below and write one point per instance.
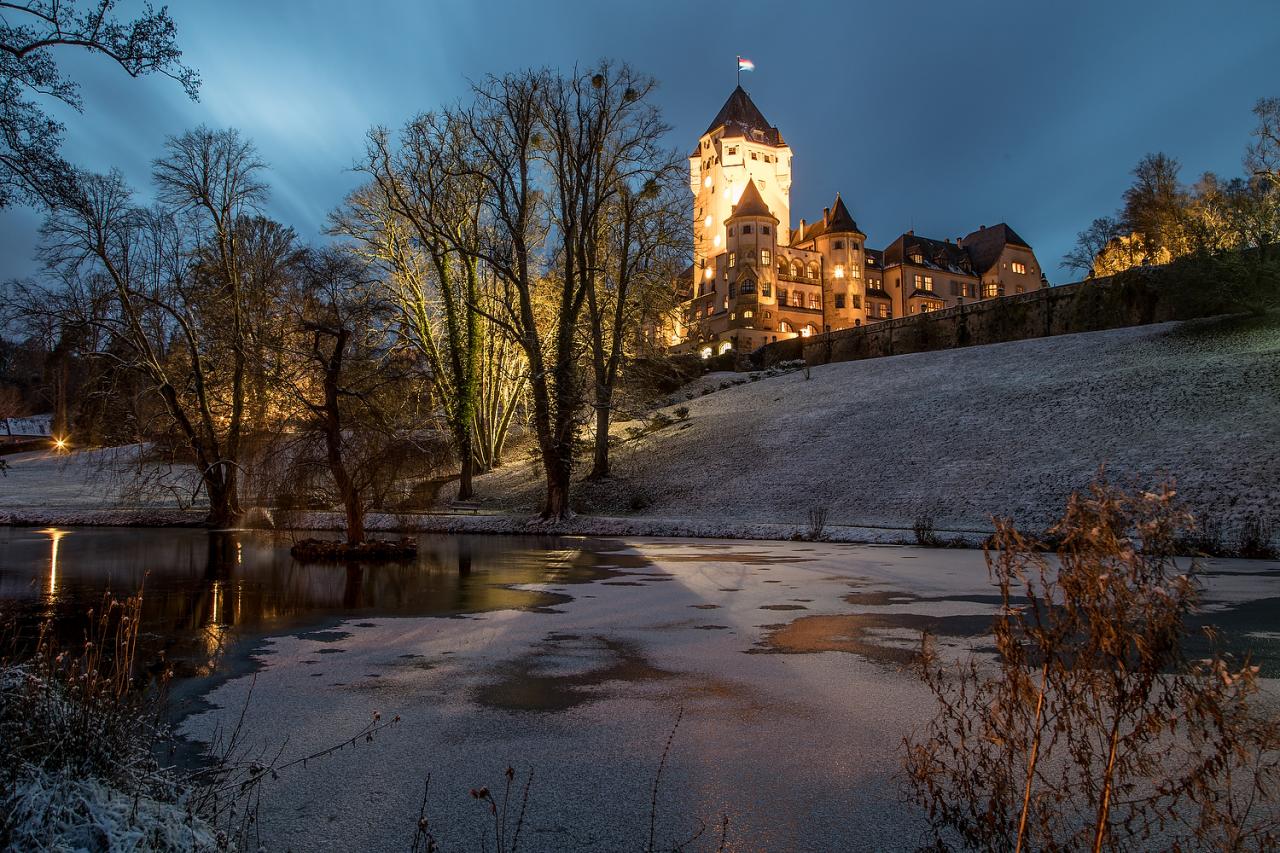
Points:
(941, 116)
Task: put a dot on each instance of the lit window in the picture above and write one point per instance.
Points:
(733, 316)
(1019, 267)
(990, 290)
(706, 352)
(919, 282)
(855, 271)
(747, 315)
(725, 346)
(765, 259)
(839, 271)
(733, 258)
(917, 258)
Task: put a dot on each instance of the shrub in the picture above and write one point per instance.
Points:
(1256, 536)
(660, 420)
(682, 412)
(1092, 730)
(925, 535)
(817, 522)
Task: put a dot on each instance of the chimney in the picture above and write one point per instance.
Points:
(826, 215)
(911, 233)
(802, 226)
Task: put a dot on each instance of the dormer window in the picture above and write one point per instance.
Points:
(1019, 267)
(917, 258)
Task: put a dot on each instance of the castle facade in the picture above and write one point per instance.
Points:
(756, 280)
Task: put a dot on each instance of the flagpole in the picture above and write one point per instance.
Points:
(739, 70)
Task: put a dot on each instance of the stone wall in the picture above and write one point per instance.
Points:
(1134, 298)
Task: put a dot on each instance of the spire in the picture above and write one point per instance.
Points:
(740, 116)
(751, 204)
(840, 220)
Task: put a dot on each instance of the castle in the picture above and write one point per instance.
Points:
(756, 280)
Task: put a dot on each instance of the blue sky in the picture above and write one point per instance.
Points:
(939, 116)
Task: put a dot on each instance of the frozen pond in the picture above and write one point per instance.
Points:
(571, 657)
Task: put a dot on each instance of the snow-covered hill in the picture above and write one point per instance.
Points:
(961, 434)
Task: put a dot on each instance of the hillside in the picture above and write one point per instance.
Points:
(960, 434)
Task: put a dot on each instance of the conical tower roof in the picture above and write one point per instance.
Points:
(740, 116)
(840, 220)
(751, 204)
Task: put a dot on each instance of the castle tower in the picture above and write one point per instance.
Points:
(739, 147)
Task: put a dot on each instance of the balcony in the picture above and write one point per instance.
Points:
(798, 279)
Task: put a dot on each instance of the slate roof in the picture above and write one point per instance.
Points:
(985, 245)
(751, 204)
(935, 254)
(835, 220)
(740, 116)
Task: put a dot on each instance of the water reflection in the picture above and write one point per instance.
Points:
(202, 589)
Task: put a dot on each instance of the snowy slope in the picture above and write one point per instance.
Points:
(960, 434)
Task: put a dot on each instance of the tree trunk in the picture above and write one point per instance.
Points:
(468, 464)
(355, 516)
(224, 509)
(600, 465)
(559, 474)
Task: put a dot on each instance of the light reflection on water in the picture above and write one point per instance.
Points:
(200, 588)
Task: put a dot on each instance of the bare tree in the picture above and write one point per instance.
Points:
(350, 382)
(419, 218)
(1090, 243)
(643, 249)
(31, 33)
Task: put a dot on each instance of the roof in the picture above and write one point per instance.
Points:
(740, 116)
(835, 220)
(935, 254)
(985, 245)
(751, 204)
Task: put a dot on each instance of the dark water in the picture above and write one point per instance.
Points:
(202, 591)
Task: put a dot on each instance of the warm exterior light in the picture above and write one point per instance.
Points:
(839, 270)
(706, 182)
(715, 241)
(708, 273)
(804, 333)
(706, 352)
(59, 444)
(707, 222)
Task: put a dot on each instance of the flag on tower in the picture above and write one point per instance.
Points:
(745, 64)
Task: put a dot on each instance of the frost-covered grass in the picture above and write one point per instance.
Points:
(957, 436)
(78, 740)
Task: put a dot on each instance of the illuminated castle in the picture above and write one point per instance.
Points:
(756, 280)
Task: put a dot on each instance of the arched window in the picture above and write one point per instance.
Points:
(795, 269)
(808, 330)
(813, 270)
(706, 352)
(725, 346)
(784, 326)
